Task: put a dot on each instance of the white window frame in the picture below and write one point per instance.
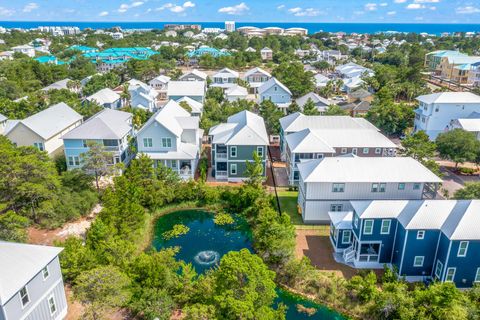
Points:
(47, 272)
(166, 142)
(366, 150)
(344, 150)
(355, 220)
(420, 234)
(333, 207)
(26, 295)
(416, 186)
(349, 237)
(365, 226)
(52, 298)
(477, 275)
(260, 154)
(375, 187)
(147, 142)
(415, 264)
(383, 226)
(452, 276)
(354, 151)
(378, 150)
(438, 269)
(39, 145)
(73, 161)
(336, 189)
(401, 186)
(382, 187)
(233, 165)
(232, 153)
(465, 250)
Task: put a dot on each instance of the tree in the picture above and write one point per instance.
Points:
(12, 227)
(293, 107)
(255, 170)
(101, 289)
(335, 110)
(470, 191)
(458, 146)
(186, 106)
(418, 146)
(97, 161)
(390, 117)
(295, 78)
(244, 288)
(271, 115)
(310, 109)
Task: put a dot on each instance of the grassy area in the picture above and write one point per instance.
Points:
(288, 204)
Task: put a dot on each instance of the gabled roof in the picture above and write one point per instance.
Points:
(186, 88)
(104, 96)
(19, 263)
(196, 72)
(266, 49)
(106, 124)
(450, 97)
(341, 220)
(270, 83)
(242, 128)
(314, 97)
(463, 222)
(236, 90)
(298, 121)
(360, 94)
(51, 121)
(196, 106)
(226, 73)
(256, 70)
(162, 78)
(354, 169)
(306, 141)
(62, 84)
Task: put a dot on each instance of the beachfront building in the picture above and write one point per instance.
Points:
(424, 240)
(255, 78)
(234, 142)
(172, 138)
(276, 92)
(329, 184)
(44, 129)
(195, 90)
(474, 75)
(106, 98)
(109, 128)
(32, 284)
(436, 111)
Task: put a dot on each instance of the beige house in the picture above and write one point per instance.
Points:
(457, 69)
(44, 129)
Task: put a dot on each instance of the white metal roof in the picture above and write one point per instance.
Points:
(450, 97)
(236, 91)
(298, 121)
(256, 70)
(271, 82)
(226, 73)
(186, 88)
(162, 78)
(463, 222)
(196, 106)
(62, 84)
(50, 121)
(104, 96)
(184, 151)
(107, 124)
(314, 97)
(307, 141)
(366, 169)
(19, 263)
(195, 72)
(341, 220)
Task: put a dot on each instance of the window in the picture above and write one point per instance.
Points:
(147, 142)
(52, 305)
(368, 227)
(386, 226)
(24, 296)
(354, 151)
(166, 142)
(233, 152)
(416, 186)
(336, 207)
(401, 186)
(420, 234)
(233, 169)
(477, 275)
(39, 146)
(462, 249)
(374, 187)
(45, 273)
(338, 187)
(382, 187)
(355, 220)
(450, 274)
(418, 261)
(438, 269)
(346, 236)
(344, 150)
(73, 161)
(366, 150)
(378, 150)
(260, 151)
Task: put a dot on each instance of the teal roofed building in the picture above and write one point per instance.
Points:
(49, 59)
(433, 59)
(83, 49)
(112, 58)
(207, 50)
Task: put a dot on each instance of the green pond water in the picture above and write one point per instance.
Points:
(205, 244)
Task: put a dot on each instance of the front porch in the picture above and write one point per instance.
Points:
(184, 168)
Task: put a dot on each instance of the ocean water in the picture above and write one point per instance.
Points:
(311, 27)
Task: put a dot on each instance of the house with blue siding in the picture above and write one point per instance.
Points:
(256, 77)
(235, 142)
(172, 138)
(31, 284)
(276, 92)
(106, 98)
(422, 240)
(110, 128)
(225, 78)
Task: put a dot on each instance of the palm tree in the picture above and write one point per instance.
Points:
(74, 85)
(125, 95)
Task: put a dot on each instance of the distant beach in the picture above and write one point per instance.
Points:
(369, 28)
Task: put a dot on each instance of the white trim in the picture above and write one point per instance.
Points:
(42, 298)
(460, 247)
(389, 226)
(453, 275)
(236, 151)
(445, 266)
(371, 228)
(43, 273)
(394, 242)
(52, 296)
(420, 232)
(435, 269)
(436, 252)
(27, 294)
(403, 253)
(233, 165)
(477, 275)
(349, 236)
(415, 261)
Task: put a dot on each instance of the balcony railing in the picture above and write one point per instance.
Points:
(221, 156)
(221, 174)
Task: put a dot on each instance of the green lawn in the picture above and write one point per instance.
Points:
(288, 204)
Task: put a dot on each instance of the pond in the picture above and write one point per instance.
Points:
(205, 243)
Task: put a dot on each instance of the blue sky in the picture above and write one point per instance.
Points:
(387, 11)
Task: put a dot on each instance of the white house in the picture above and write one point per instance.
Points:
(329, 184)
(321, 80)
(31, 284)
(255, 78)
(235, 93)
(436, 111)
(266, 54)
(225, 78)
(25, 49)
(44, 129)
(193, 89)
(142, 95)
(106, 98)
(160, 84)
(194, 75)
(172, 138)
(470, 124)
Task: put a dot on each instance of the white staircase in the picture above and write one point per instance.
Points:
(348, 254)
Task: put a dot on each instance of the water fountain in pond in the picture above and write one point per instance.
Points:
(207, 257)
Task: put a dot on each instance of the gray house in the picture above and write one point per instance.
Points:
(329, 184)
(233, 144)
(31, 284)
